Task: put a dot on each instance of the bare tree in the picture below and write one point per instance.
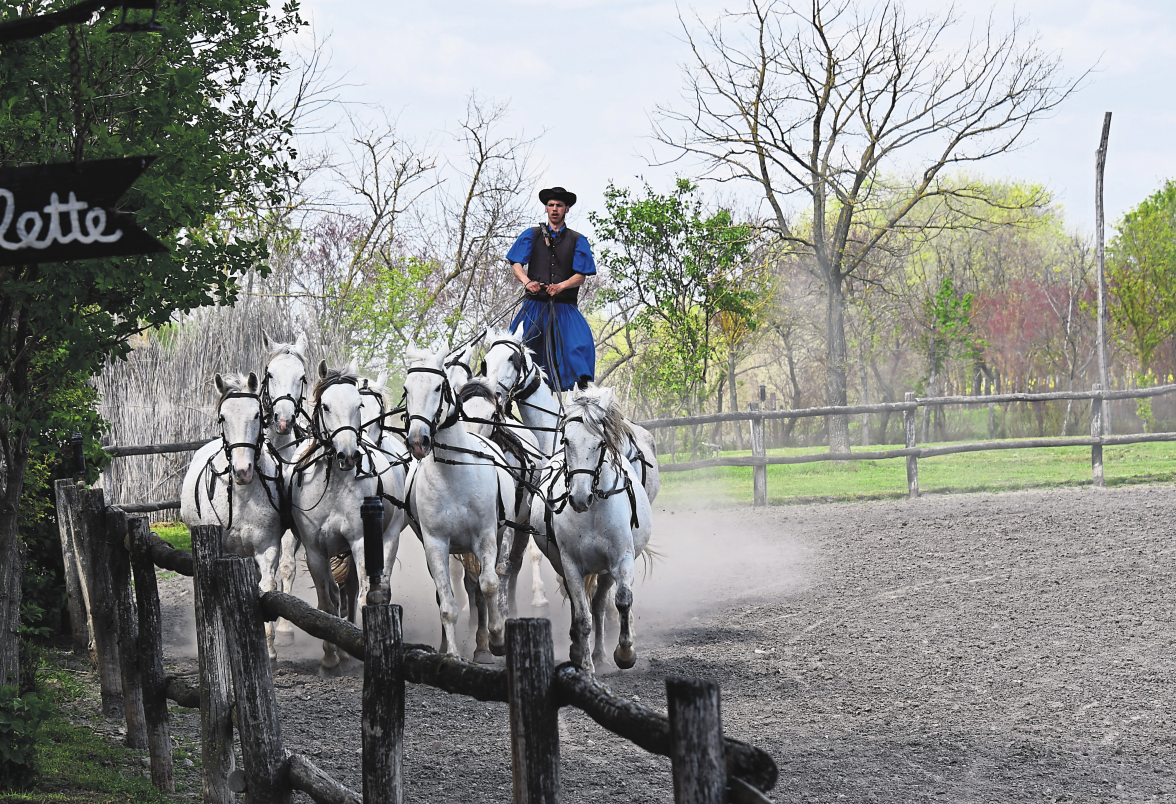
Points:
(819, 102)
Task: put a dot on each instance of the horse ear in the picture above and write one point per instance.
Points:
(301, 345)
(322, 369)
(253, 385)
(266, 341)
(519, 331)
(220, 384)
(458, 381)
(382, 379)
(353, 366)
(606, 398)
(482, 368)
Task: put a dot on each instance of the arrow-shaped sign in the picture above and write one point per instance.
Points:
(53, 213)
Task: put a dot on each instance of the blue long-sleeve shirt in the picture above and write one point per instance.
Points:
(582, 259)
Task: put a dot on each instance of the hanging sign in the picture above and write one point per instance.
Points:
(53, 213)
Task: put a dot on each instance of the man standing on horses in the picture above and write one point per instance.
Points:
(552, 262)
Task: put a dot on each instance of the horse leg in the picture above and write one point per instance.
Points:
(328, 601)
(625, 655)
(578, 652)
(482, 654)
(538, 598)
(469, 582)
(604, 583)
(487, 552)
(288, 569)
(267, 565)
(437, 557)
(516, 565)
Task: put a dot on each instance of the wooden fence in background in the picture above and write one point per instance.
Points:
(760, 460)
(104, 548)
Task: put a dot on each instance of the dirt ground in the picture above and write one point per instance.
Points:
(965, 648)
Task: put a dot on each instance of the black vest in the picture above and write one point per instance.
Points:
(551, 265)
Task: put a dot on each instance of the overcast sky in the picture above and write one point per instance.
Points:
(586, 74)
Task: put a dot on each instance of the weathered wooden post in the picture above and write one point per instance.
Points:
(534, 711)
(697, 755)
(216, 685)
(1097, 406)
(127, 623)
(383, 671)
(151, 656)
(760, 471)
(264, 756)
(909, 422)
(83, 511)
(74, 588)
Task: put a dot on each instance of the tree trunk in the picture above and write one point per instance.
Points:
(734, 391)
(835, 366)
(14, 458)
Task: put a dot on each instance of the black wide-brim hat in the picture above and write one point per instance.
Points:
(557, 194)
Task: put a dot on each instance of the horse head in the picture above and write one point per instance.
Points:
(336, 418)
(594, 434)
(428, 398)
(372, 406)
(284, 386)
(239, 414)
(507, 361)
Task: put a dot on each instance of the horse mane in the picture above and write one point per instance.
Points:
(608, 422)
(234, 384)
(371, 385)
(334, 377)
(416, 355)
(480, 388)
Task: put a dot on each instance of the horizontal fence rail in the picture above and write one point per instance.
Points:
(759, 460)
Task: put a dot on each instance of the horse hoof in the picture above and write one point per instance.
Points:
(284, 638)
(503, 569)
(483, 657)
(498, 650)
(539, 603)
(330, 672)
(624, 659)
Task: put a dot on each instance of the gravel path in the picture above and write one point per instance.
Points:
(987, 648)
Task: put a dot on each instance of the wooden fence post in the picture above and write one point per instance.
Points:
(910, 422)
(534, 711)
(85, 516)
(74, 589)
(697, 755)
(264, 756)
(151, 656)
(383, 705)
(216, 690)
(1097, 406)
(127, 623)
(758, 450)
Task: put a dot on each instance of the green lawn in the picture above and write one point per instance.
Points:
(997, 470)
(174, 533)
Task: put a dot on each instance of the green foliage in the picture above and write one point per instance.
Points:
(378, 313)
(949, 317)
(174, 533)
(679, 268)
(1141, 275)
(21, 721)
(188, 98)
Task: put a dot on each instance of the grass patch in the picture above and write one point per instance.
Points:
(174, 533)
(996, 470)
(78, 766)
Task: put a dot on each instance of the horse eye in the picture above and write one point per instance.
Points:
(257, 415)
(327, 408)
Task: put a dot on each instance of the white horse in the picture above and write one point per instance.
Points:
(598, 523)
(232, 482)
(458, 493)
(511, 368)
(332, 474)
(284, 386)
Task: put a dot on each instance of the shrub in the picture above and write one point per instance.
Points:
(21, 718)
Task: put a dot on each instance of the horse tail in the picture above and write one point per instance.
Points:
(342, 568)
(649, 555)
(471, 563)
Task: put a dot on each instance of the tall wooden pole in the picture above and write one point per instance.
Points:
(1099, 165)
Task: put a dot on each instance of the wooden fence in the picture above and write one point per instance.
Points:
(760, 460)
(104, 548)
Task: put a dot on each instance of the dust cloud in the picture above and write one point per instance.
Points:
(707, 560)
